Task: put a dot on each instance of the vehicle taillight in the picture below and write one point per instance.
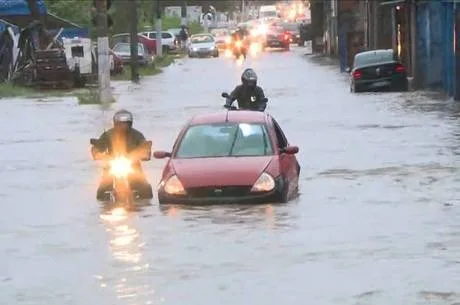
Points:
(400, 68)
(286, 36)
(357, 74)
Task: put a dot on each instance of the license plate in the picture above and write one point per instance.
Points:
(381, 84)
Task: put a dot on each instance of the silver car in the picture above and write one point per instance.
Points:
(123, 50)
(202, 45)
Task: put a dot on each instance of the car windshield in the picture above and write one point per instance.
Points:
(370, 58)
(291, 26)
(201, 39)
(224, 140)
(126, 48)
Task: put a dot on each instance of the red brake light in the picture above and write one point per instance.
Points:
(400, 68)
(357, 74)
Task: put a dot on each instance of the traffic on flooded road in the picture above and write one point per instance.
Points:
(375, 218)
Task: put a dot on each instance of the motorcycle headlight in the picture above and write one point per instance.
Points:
(264, 183)
(120, 167)
(173, 186)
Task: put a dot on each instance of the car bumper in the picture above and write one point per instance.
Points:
(204, 53)
(276, 44)
(383, 82)
(254, 198)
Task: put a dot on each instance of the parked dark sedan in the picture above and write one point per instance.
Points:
(377, 69)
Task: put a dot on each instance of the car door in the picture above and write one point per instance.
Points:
(288, 163)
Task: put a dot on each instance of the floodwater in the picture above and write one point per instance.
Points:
(377, 220)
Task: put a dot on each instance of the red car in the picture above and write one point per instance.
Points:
(277, 37)
(228, 157)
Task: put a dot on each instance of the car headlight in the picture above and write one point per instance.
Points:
(194, 49)
(264, 183)
(173, 186)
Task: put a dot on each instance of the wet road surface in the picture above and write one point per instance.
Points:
(377, 221)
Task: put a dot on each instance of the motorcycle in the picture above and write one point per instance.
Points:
(226, 95)
(121, 168)
(239, 49)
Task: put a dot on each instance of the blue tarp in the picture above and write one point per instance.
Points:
(72, 32)
(19, 7)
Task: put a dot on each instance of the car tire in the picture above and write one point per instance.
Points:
(216, 54)
(356, 89)
(283, 196)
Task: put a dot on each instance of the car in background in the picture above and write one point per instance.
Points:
(230, 157)
(168, 39)
(176, 32)
(123, 50)
(116, 65)
(150, 44)
(376, 70)
(277, 37)
(202, 45)
(293, 29)
(221, 36)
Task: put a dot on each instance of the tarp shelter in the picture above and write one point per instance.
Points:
(17, 12)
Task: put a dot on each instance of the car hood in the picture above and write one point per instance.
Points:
(203, 45)
(228, 171)
(126, 54)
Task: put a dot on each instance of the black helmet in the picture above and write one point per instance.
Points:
(123, 116)
(249, 77)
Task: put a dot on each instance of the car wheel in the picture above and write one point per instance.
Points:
(216, 54)
(283, 194)
(357, 89)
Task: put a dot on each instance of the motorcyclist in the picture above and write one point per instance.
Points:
(248, 95)
(120, 140)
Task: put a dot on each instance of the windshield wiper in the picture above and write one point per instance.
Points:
(235, 136)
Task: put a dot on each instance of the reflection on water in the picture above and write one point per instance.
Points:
(273, 216)
(126, 247)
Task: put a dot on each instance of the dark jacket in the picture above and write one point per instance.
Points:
(113, 142)
(248, 98)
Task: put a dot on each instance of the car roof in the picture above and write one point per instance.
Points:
(239, 116)
(374, 52)
(201, 34)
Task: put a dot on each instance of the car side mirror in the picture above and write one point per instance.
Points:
(93, 141)
(265, 100)
(348, 69)
(290, 150)
(159, 154)
(225, 95)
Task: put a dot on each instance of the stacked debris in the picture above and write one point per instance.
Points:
(41, 61)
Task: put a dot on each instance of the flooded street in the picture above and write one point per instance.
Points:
(377, 221)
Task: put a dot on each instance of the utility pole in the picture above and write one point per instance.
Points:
(243, 17)
(184, 13)
(103, 59)
(158, 27)
(134, 42)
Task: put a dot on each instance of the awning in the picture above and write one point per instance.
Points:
(392, 2)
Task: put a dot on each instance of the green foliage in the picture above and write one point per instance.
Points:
(77, 11)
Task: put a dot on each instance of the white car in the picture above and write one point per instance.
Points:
(168, 39)
(202, 45)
